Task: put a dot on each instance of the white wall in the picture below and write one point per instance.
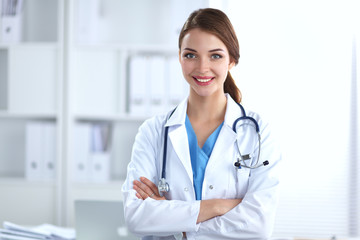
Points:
(295, 69)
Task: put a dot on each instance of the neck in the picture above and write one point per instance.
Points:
(207, 108)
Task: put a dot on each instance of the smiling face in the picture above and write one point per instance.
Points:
(205, 62)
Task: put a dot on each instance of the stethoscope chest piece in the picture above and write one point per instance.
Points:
(163, 186)
(238, 164)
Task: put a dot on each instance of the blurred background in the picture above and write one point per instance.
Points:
(77, 78)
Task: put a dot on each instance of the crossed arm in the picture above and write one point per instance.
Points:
(208, 208)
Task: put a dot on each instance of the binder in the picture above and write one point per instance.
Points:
(99, 159)
(100, 166)
(91, 156)
(87, 21)
(178, 87)
(81, 152)
(96, 138)
(138, 84)
(157, 84)
(11, 21)
(49, 161)
(34, 153)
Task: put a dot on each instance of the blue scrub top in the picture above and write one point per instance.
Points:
(200, 156)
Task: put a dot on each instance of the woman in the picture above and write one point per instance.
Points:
(209, 198)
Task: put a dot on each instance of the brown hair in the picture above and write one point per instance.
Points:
(216, 22)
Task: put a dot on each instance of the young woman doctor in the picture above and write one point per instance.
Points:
(209, 198)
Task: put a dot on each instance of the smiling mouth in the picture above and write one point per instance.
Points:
(203, 79)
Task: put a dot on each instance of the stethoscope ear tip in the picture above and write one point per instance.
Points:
(266, 163)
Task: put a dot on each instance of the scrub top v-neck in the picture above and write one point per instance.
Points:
(200, 156)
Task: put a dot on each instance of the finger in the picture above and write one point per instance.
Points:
(144, 187)
(150, 184)
(143, 194)
(139, 196)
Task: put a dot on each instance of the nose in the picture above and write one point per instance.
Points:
(203, 65)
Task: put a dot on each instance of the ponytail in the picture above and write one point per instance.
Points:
(231, 88)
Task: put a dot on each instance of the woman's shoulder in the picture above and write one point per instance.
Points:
(258, 116)
(154, 124)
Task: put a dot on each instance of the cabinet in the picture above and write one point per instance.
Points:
(77, 72)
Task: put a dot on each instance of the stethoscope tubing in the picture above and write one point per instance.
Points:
(163, 172)
(243, 117)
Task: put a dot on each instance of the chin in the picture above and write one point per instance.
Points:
(205, 93)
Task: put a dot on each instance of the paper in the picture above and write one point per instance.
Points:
(13, 231)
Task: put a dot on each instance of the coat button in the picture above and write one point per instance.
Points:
(211, 187)
(186, 189)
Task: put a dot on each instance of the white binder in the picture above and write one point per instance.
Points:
(138, 83)
(81, 152)
(88, 17)
(100, 166)
(11, 21)
(34, 150)
(157, 84)
(49, 161)
(99, 158)
(178, 87)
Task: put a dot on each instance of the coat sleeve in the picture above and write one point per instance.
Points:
(151, 217)
(254, 217)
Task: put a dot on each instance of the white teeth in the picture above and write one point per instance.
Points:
(203, 80)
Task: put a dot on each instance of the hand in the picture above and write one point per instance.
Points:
(216, 207)
(146, 188)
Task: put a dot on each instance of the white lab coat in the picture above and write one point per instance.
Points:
(253, 218)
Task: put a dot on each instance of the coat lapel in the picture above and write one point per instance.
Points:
(222, 146)
(227, 136)
(178, 136)
(179, 141)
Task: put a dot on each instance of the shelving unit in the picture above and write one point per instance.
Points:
(31, 91)
(73, 71)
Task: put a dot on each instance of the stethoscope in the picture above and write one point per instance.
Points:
(164, 187)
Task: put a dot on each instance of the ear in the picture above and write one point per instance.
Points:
(179, 56)
(231, 65)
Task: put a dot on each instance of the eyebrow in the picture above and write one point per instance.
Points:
(217, 50)
(213, 50)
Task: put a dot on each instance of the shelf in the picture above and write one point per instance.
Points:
(128, 47)
(56, 76)
(114, 184)
(29, 44)
(123, 47)
(34, 116)
(110, 117)
(21, 182)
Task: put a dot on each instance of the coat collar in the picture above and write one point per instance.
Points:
(179, 140)
(233, 111)
(179, 114)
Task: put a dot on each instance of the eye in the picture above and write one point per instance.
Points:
(189, 55)
(216, 56)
